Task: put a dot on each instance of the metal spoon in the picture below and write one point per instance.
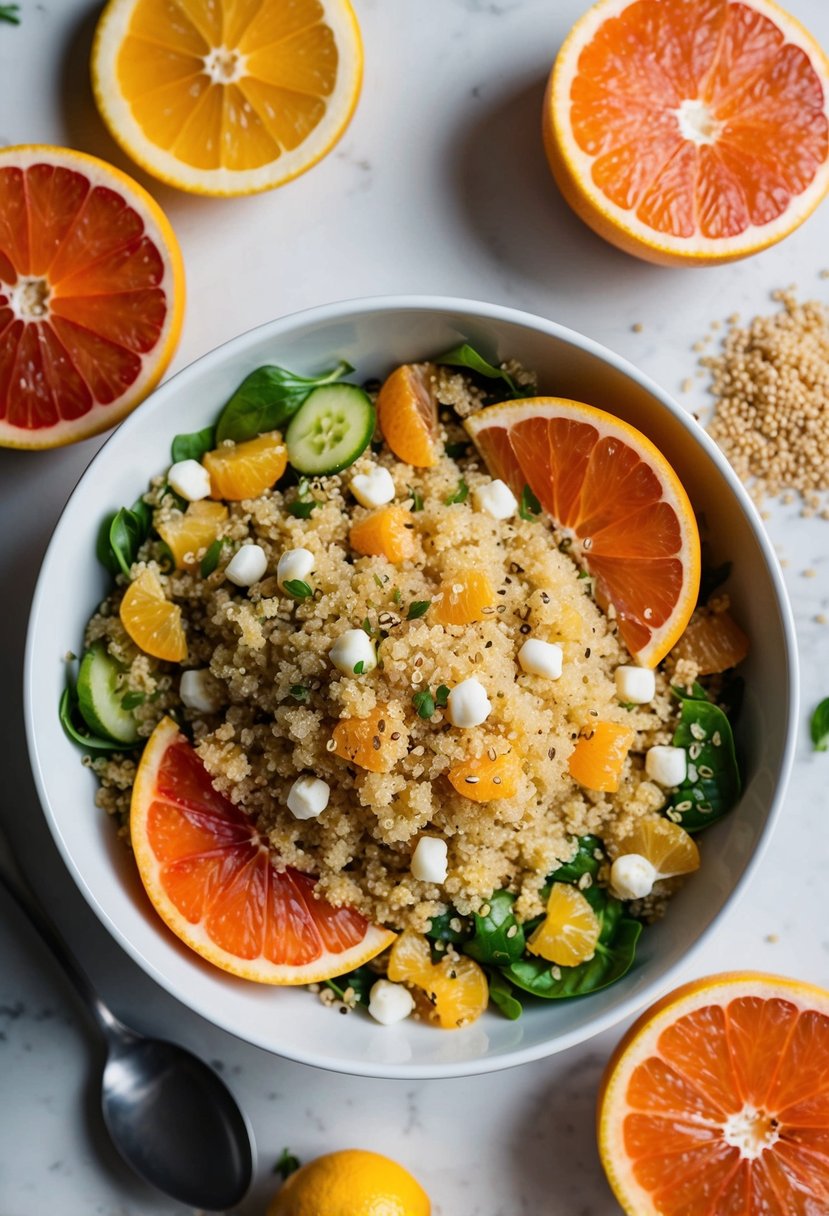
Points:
(169, 1115)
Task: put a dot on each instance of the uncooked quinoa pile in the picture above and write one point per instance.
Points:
(771, 390)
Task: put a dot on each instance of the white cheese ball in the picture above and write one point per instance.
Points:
(294, 564)
(632, 876)
(374, 488)
(308, 797)
(352, 648)
(429, 860)
(539, 658)
(667, 766)
(198, 690)
(247, 566)
(189, 479)
(495, 499)
(389, 1003)
(636, 685)
(467, 704)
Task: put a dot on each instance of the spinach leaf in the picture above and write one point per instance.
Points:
(456, 450)
(77, 730)
(121, 535)
(211, 558)
(441, 930)
(711, 578)
(466, 356)
(267, 399)
(497, 938)
(819, 726)
(361, 980)
(713, 783)
(194, 445)
(502, 996)
(611, 961)
(286, 1165)
(9, 12)
(584, 861)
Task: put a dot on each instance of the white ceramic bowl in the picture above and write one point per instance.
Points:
(375, 335)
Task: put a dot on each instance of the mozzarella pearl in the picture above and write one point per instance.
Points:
(247, 565)
(496, 499)
(666, 765)
(636, 685)
(351, 648)
(389, 1003)
(632, 876)
(374, 488)
(294, 563)
(198, 690)
(308, 797)
(189, 479)
(467, 704)
(539, 658)
(429, 860)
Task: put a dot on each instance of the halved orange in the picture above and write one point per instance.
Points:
(616, 497)
(227, 96)
(211, 877)
(91, 295)
(716, 1102)
(153, 622)
(407, 414)
(689, 133)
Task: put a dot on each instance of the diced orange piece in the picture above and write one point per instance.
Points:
(570, 930)
(368, 741)
(667, 846)
(713, 642)
(152, 621)
(482, 779)
(246, 470)
(388, 532)
(598, 757)
(456, 987)
(191, 531)
(408, 416)
(464, 599)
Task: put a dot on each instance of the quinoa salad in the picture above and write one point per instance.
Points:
(402, 673)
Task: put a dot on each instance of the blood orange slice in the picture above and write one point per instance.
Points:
(91, 295)
(689, 133)
(620, 502)
(211, 878)
(716, 1102)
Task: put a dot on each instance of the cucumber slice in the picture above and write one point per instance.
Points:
(98, 701)
(331, 428)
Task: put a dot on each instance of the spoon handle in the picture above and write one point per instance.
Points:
(18, 887)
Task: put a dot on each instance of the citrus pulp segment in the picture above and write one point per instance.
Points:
(716, 1102)
(221, 97)
(617, 499)
(689, 133)
(91, 295)
(211, 878)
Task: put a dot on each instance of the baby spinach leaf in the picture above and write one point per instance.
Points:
(121, 535)
(497, 938)
(194, 445)
(529, 507)
(611, 961)
(211, 558)
(502, 996)
(466, 356)
(584, 861)
(361, 980)
(77, 730)
(456, 450)
(713, 783)
(9, 12)
(441, 930)
(819, 726)
(267, 399)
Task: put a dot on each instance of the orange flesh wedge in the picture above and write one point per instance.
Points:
(91, 295)
(464, 599)
(617, 498)
(481, 779)
(387, 532)
(713, 642)
(456, 987)
(668, 847)
(689, 132)
(368, 743)
(248, 469)
(152, 621)
(569, 932)
(190, 532)
(597, 760)
(211, 877)
(716, 1102)
(408, 416)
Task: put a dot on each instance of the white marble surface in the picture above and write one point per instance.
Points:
(439, 186)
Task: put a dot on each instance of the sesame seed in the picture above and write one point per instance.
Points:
(512, 930)
(496, 780)
(375, 743)
(395, 735)
(491, 752)
(551, 753)
(330, 745)
(637, 327)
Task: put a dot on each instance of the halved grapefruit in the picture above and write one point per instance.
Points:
(618, 499)
(91, 295)
(689, 133)
(716, 1102)
(211, 877)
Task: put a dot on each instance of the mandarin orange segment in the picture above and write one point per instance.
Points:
(408, 416)
(694, 1114)
(212, 879)
(667, 846)
(570, 930)
(246, 470)
(374, 742)
(713, 642)
(598, 758)
(456, 986)
(190, 532)
(152, 621)
(618, 500)
(481, 778)
(387, 532)
(463, 599)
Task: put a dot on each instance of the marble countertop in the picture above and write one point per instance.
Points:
(439, 186)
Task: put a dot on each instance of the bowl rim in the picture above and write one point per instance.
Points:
(341, 310)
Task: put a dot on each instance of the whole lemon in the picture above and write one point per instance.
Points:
(353, 1182)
